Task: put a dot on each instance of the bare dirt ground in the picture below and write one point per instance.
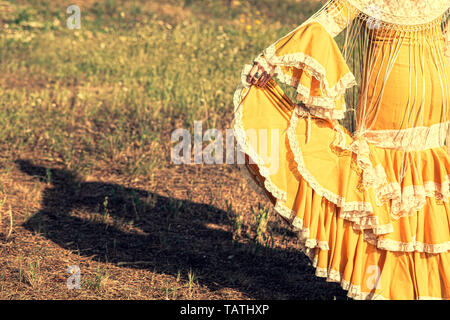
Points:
(171, 237)
(182, 232)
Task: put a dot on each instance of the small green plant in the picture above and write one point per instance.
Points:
(174, 208)
(236, 219)
(98, 281)
(151, 200)
(20, 268)
(32, 275)
(2, 287)
(105, 214)
(23, 15)
(191, 282)
(261, 217)
(48, 175)
(137, 205)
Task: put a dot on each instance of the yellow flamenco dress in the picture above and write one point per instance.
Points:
(357, 162)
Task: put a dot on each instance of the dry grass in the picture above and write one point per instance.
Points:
(154, 239)
(85, 179)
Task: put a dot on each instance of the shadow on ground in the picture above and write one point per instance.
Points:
(174, 236)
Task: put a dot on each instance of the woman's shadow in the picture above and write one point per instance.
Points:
(117, 224)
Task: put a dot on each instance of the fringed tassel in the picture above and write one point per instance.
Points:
(302, 111)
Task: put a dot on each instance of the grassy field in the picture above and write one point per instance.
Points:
(86, 180)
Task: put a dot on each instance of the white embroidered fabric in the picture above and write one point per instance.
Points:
(407, 12)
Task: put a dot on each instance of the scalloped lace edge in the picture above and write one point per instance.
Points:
(354, 291)
(240, 136)
(365, 208)
(303, 61)
(412, 246)
(369, 235)
(411, 139)
(325, 105)
(389, 13)
(406, 201)
(308, 247)
(359, 213)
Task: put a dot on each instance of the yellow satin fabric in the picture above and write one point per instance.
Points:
(376, 220)
(349, 258)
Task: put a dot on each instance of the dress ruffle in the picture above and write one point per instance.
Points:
(371, 208)
(318, 189)
(319, 76)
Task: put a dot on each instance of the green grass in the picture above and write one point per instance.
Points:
(90, 113)
(111, 92)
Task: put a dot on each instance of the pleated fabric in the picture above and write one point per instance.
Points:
(371, 206)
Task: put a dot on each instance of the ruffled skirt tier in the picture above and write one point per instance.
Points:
(376, 220)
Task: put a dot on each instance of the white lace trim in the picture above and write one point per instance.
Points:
(326, 113)
(412, 139)
(242, 140)
(405, 201)
(360, 213)
(361, 149)
(393, 245)
(335, 16)
(403, 12)
(305, 62)
(362, 207)
(354, 291)
(363, 222)
(308, 246)
(408, 200)
(303, 232)
(251, 181)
